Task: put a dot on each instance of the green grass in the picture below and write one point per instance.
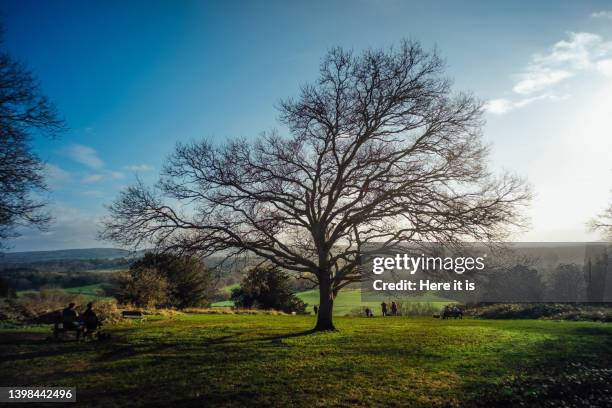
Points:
(347, 301)
(238, 360)
(228, 288)
(94, 291)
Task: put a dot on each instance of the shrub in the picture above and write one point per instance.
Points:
(44, 306)
(34, 305)
(267, 288)
(106, 310)
(6, 291)
(186, 282)
(417, 308)
(232, 311)
(552, 311)
(142, 287)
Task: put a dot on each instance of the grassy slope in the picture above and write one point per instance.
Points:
(347, 300)
(233, 360)
(96, 291)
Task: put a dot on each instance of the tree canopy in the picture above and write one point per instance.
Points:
(267, 288)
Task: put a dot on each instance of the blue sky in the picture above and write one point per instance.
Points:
(133, 78)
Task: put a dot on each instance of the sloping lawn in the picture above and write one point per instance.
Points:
(348, 301)
(239, 360)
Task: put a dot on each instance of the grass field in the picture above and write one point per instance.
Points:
(347, 301)
(96, 291)
(239, 360)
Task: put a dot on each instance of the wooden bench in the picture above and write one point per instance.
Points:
(82, 326)
(64, 324)
(131, 314)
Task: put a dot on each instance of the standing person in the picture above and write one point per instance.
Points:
(383, 307)
(316, 309)
(393, 308)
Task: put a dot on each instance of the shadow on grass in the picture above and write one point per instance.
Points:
(39, 345)
(238, 367)
(549, 373)
(279, 337)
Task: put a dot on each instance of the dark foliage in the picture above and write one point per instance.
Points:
(517, 284)
(190, 283)
(553, 311)
(25, 278)
(6, 291)
(267, 288)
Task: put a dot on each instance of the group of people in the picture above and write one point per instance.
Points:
(384, 307)
(86, 323)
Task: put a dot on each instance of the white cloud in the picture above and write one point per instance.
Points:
(602, 14)
(504, 105)
(139, 167)
(564, 60)
(55, 175)
(538, 79)
(89, 157)
(92, 178)
(580, 51)
(71, 228)
(86, 156)
(605, 67)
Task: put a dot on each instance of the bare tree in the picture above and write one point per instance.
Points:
(24, 112)
(379, 151)
(603, 223)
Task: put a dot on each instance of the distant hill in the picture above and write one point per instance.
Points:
(66, 254)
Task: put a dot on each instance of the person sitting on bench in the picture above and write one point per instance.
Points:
(90, 319)
(69, 320)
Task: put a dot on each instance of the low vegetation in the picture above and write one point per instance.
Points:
(165, 280)
(553, 311)
(191, 359)
(267, 288)
(42, 307)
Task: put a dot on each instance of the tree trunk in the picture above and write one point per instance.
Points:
(326, 307)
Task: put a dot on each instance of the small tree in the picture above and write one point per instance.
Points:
(6, 291)
(603, 223)
(567, 284)
(380, 152)
(519, 283)
(190, 283)
(142, 287)
(267, 288)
